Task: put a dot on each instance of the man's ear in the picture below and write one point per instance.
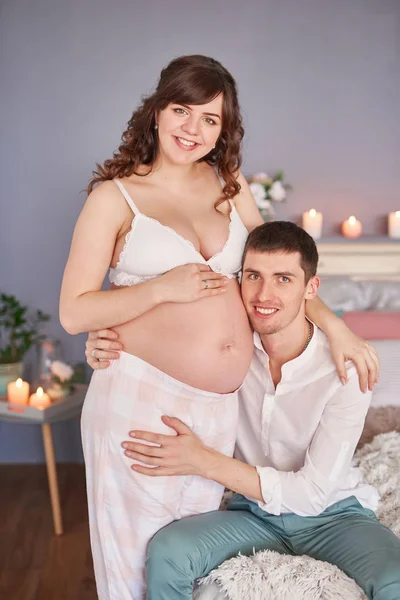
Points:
(312, 288)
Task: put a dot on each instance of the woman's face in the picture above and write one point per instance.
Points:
(188, 132)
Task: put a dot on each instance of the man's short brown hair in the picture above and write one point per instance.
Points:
(285, 236)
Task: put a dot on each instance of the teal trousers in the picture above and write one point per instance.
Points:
(345, 534)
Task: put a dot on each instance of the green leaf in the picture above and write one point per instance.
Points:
(19, 330)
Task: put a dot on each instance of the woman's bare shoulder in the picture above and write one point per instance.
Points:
(104, 191)
(105, 210)
(106, 198)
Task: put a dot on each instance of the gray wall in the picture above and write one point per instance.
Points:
(319, 88)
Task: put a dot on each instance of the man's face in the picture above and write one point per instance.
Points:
(274, 289)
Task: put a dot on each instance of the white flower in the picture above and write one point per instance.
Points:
(262, 178)
(268, 211)
(258, 177)
(259, 194)
(277, 192)
(61, 370)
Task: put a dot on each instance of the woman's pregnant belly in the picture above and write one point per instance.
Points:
(207, 344)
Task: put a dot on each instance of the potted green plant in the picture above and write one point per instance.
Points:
(19, 331)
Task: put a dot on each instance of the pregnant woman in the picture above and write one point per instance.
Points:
(170, 216)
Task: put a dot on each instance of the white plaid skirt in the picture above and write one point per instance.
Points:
(126, 508)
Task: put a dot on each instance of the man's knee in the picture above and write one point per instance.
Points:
(171, 554)
(385, 584)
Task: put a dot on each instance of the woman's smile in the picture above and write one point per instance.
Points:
(185, 144)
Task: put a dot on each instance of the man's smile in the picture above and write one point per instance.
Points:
(265, 312)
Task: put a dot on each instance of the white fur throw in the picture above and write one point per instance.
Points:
(269, 575)
(379, 462)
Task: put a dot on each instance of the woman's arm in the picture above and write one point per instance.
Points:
(321, 315)
(246, 205)
(84, 306)
(345, 345)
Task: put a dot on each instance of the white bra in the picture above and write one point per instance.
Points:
(152, 249)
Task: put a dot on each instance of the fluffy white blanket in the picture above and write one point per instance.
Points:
(271, 576)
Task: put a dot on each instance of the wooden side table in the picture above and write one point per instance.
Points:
(68, 408)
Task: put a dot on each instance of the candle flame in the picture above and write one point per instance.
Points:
(397, 213)
(18, 383)
(352, 220)
(39, 392)
(313, 212)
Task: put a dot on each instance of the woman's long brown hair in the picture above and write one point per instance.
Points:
(195, 80)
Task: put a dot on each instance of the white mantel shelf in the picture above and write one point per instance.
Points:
(361, 258)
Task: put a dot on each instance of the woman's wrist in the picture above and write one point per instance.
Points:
(332, 324)
(158, 291)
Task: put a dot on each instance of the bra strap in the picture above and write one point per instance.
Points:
(127, 197)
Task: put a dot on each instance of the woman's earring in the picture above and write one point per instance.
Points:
(156, 126)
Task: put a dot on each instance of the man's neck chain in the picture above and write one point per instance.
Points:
(309, 336)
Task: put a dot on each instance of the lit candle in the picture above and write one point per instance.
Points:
(394, 224)
(18, 392)
(312, 223)
(39, 400)
(351, 228)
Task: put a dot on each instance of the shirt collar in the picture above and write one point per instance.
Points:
(296, 363)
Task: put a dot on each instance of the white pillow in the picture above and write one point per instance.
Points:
(381, 295)
(343, 293)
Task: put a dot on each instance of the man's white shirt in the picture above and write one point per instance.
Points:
(302, 435)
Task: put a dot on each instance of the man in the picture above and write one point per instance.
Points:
(298, 429)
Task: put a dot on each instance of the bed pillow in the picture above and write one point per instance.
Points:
(373, 325)
(342, 292)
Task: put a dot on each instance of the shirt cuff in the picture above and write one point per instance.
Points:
(271, 490)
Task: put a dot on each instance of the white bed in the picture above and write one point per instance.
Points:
(347, 294)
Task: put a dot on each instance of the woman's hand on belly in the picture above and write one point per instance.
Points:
(183, 284)
(207, 345)
(102, 347)
(189, 283)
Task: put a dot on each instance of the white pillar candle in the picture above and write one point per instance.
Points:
(312, 223)
(351, 228)
(40, 399)
(18, 392)
(394, 224)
